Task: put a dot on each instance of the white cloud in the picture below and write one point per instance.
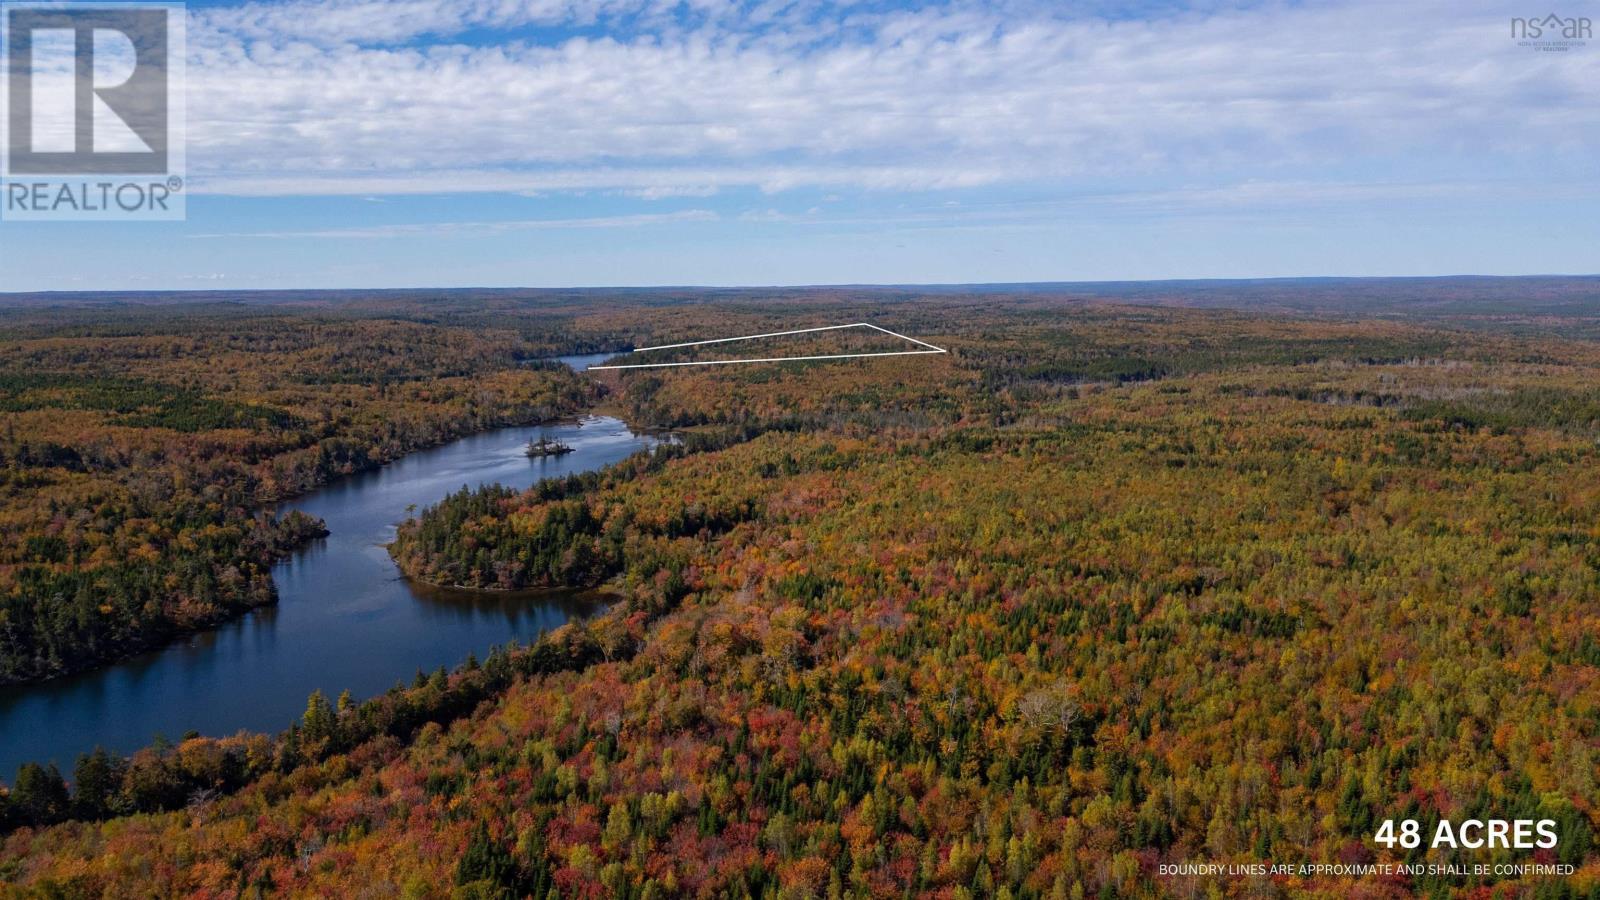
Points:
(300, 98)
(664, 181)
(470, 229)
(390, 21)
(667, 191)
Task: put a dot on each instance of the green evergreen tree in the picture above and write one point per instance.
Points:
(40, 796)
(96, 780)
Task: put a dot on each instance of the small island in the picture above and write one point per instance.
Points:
(545, 447)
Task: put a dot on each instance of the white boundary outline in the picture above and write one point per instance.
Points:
(751, 337)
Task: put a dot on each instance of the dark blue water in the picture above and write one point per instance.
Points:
(345, 618)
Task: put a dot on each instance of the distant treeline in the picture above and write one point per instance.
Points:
(136, 457)
(1102, 589)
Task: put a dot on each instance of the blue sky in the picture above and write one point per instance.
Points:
(634, 142)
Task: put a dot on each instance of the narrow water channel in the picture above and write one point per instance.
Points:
(345, 618)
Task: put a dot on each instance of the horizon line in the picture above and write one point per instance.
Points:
(855, 285)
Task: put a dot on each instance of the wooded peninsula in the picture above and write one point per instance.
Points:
(1132, 576)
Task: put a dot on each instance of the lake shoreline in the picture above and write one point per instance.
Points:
(322, 589)
(128, 649)
(520, 593)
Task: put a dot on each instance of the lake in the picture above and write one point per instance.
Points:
(345, 619)
(582, 363)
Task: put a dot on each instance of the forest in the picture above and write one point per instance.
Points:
(1108, 586)
(140, 456)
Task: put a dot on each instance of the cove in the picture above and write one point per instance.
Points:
(345, 618)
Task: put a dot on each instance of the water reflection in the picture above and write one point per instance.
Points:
(540, 609)
(345, 618)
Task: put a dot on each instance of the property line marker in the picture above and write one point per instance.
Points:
(751, 337)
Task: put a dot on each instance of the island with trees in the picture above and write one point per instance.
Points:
(544, 447)
(1121, 580)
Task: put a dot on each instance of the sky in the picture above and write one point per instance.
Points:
(442, 143)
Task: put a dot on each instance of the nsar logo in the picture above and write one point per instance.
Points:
(1553, 32)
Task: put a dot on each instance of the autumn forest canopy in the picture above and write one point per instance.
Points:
(1132, 575)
